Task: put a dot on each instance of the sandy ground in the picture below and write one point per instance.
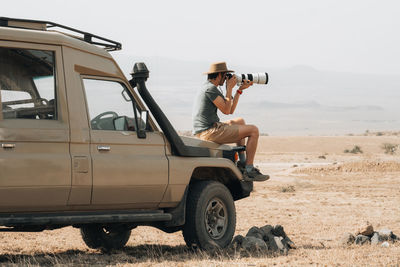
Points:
(317, 193)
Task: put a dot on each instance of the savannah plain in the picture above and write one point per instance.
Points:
(317, 192)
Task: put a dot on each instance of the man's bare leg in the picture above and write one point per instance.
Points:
(242, 141)
(238, 121)
(252, 133)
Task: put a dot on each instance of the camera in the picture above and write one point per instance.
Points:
(259, 78)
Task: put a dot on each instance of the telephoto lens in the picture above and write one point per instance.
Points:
(259, 78)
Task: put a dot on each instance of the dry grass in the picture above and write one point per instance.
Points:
(326, 202)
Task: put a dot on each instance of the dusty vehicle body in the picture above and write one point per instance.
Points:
(78, 147)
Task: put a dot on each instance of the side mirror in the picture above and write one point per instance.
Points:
(142, 123)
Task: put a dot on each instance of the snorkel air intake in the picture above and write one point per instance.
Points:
(140, 73)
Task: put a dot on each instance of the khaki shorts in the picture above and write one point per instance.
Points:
(221, 133)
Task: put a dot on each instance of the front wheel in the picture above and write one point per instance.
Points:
(210, 216)
(105, 237)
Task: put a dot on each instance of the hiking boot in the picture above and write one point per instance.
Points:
(254, 175)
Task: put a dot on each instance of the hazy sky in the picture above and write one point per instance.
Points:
(351, 35)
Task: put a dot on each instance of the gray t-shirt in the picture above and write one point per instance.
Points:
(204, 110)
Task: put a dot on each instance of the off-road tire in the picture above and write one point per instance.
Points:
(202, 196)
(105, 238)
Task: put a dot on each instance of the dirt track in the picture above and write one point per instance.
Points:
(317, 192)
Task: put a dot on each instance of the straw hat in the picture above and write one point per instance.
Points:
(218, 67)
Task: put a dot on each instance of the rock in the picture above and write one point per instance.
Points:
(385, 234)
(264, 238)
(275, 244)
(252, 244)
(272, 243)
(367, 230)
(347, 239)
(362, 239)
(278, 241)
(288, 244)
(375, 239)
(255, 232)
(291, 244)
(282, 246)
(395, 238)
(385, 244)
(278, 231)
(266, 231)
(237, 241)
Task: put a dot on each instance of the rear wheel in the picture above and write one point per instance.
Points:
(105, 237)
(210, 216)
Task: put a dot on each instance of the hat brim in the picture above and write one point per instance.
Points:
(211, 72)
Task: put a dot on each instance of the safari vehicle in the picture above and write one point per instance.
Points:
(82, 146)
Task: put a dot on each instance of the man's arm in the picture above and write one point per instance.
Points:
(224, 104)
(235, 101)
(228, 105)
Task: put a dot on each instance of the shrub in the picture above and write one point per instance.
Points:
(390, 148)
(355, 150)
(288, 189)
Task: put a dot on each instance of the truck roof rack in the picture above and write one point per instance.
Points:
(108, 44)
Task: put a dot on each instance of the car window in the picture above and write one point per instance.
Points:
(110, 106)
(27, 84)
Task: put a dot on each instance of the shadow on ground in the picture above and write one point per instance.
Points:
(134, 254)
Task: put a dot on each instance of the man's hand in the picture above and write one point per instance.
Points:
(246, 84)
(230, 83)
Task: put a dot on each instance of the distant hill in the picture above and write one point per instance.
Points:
(297, 100)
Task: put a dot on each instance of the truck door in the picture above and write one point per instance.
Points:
(126, 169)
(35, 164)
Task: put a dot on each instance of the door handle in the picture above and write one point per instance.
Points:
(8, 146)
(103, 148)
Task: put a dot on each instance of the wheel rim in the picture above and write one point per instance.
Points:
(216, 218)
(110, 232)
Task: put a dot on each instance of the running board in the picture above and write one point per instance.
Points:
(71, 218)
